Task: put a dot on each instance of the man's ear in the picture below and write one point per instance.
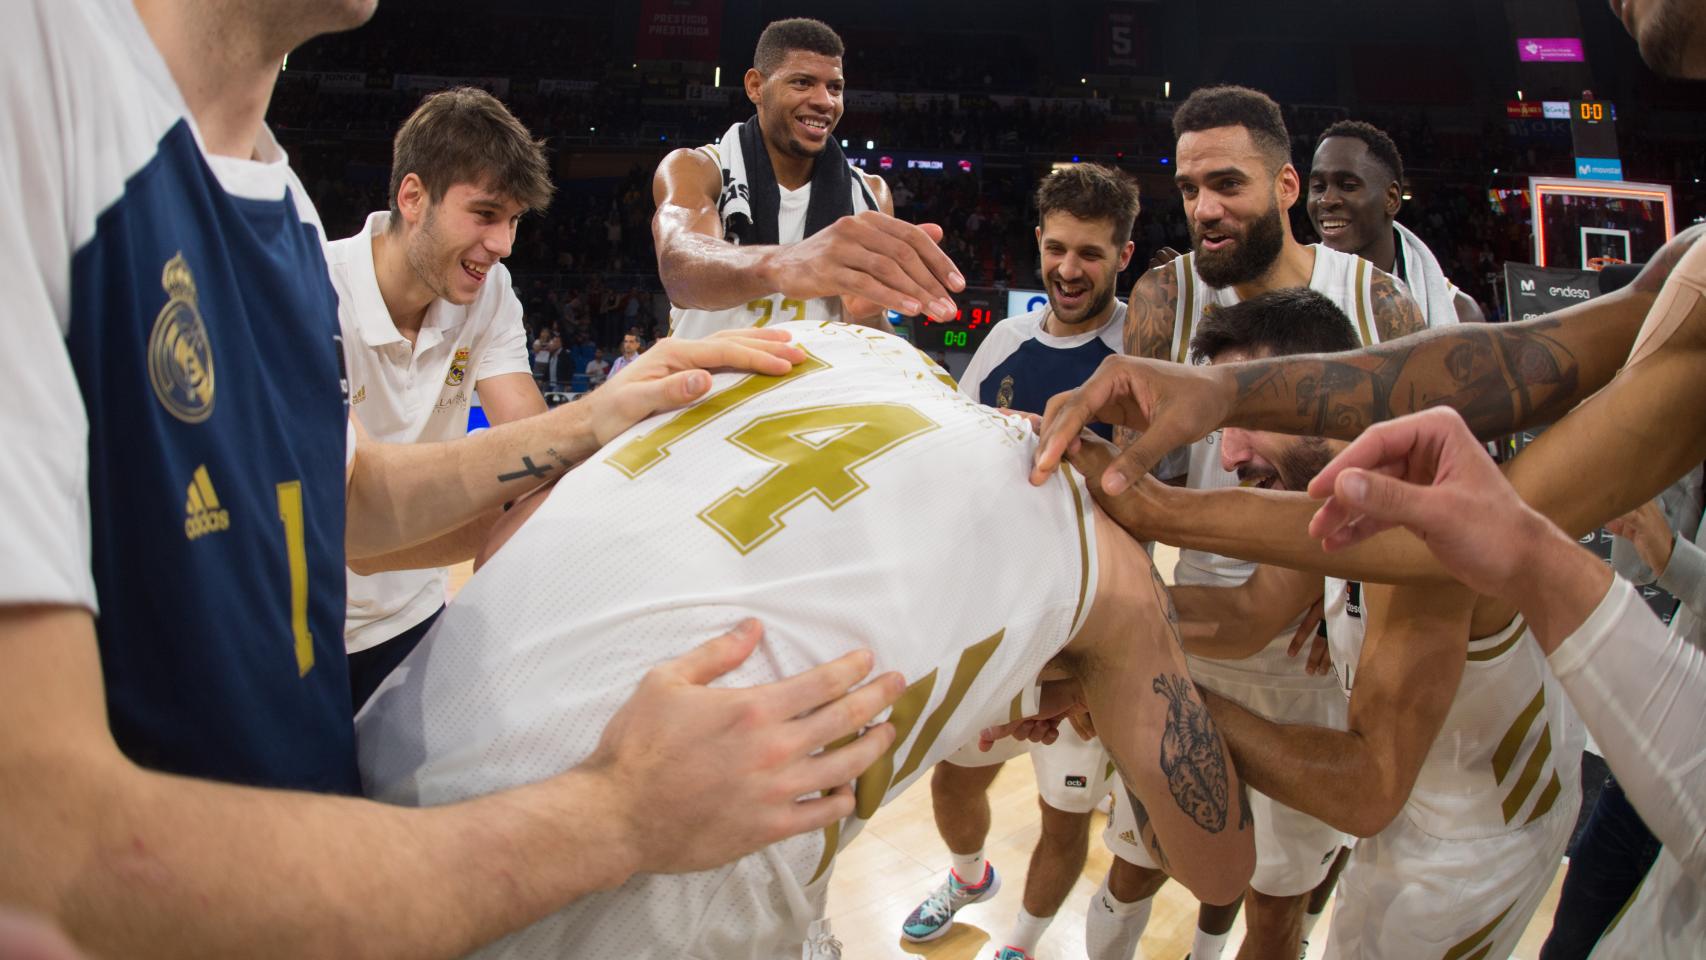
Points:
(754, 83)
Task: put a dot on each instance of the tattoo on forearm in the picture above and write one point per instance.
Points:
(1501, 378)
(528, 469)
(1192, 755)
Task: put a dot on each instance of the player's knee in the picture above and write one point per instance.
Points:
(1130, 883)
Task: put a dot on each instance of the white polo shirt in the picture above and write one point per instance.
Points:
(414, 393)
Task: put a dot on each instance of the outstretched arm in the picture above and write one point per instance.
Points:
(1357, 779)
(873, 256)
(1501, 377)
(401, 495)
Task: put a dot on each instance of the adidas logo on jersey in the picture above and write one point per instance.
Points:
(202, 514)
(1129, 837)
(360, 394)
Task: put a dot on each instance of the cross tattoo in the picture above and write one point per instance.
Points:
(528, 470)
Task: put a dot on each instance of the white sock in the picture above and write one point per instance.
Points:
(1027, 930)
(1208, 946)
(1113, 927)
(969, 867)
(1309, 921)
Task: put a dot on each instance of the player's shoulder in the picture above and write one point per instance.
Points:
(695, 163)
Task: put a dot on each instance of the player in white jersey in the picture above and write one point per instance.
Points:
(1638, 689)
(1461, 760)
(1236, 181)
(428, 316)
(1355, 191)
(772, 225)
(814, 501)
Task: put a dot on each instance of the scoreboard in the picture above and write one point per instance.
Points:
(1593, 129)
(966, 329)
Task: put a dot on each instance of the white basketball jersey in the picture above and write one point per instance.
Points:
(1341, 278)
(790, 228)
(1511, 744)
(833, 505)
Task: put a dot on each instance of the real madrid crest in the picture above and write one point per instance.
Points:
(458, 369)
(180, 358)
(1004, 395)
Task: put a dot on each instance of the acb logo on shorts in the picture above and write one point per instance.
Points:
(180, 358)
(1077, 780)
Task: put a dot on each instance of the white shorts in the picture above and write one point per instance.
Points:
(1073, 773)
(1407, 894)
(1294, 851)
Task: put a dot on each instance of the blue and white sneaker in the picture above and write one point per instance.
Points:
(1012, 953)
(935, 915)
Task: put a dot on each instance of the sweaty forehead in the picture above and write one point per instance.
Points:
(1338, 155)
(1203, 153)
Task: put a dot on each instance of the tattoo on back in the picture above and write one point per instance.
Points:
(1191, 755)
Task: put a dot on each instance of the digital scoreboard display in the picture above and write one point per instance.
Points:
(964, 331)
(1593, 129)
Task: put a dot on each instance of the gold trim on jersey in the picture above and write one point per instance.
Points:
(1362, 302)
(1516, 627)
(1530, 775)
(1511, 742)
(1188, 297)
(1548, 797)
(648, 450)
(1083, 546)
(875, 783)
(1473, 942)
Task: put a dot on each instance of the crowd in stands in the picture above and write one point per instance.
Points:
(583, 264)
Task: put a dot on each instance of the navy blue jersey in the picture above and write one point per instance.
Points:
(203, 332)
(1020, 366)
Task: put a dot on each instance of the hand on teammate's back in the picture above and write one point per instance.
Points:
(1172, 403)
(707, 775)
(673, 374)
(876, 258)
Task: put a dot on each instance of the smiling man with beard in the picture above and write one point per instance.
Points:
(1084, 218)
(1236, 180)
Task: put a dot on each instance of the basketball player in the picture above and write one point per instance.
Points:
(1639, 690)
(1356, 187)
(428, 317)
(771, 224)
(1459, 759)
(785, 497)
(1236, 180)
(1084, 214)
(177, 447)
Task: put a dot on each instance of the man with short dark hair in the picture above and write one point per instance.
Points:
(1084, 218)
(1356, 187)
(428, 317)
(630, 350)
(770, 224)
(1235, 177)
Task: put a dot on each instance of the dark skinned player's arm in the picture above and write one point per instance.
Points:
(1358, 779)
(1578, 473)
(1179, 777)
(870, 256)
(1502, 377)
(1231, 623)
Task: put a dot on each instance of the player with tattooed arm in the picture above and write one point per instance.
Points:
(782, 498)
